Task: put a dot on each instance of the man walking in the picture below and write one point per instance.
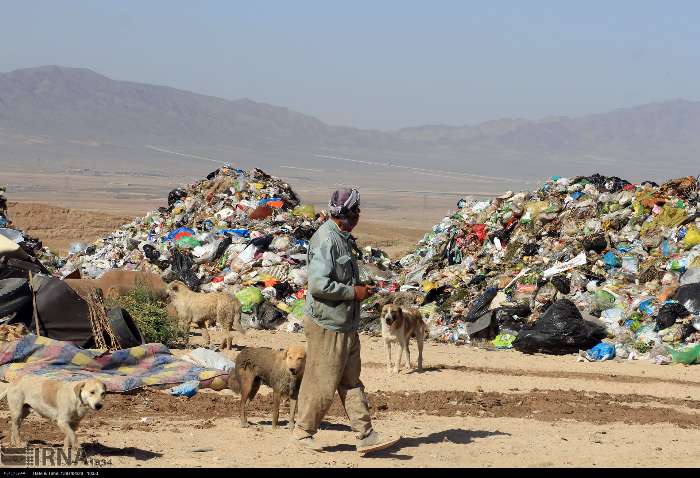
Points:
(331, 320)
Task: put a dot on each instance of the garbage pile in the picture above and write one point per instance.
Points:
(561, 268)
(244, 232)
(15, 244)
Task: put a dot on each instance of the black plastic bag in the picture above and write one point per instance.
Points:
(221, 248)
(437, 295)
(561, 283)
(689, 296)
(530, 249)
(175, 195)
(151, 253)
(561, 330)
(668, 314)
(182, 263)
(262, 242)
(477, 279)
(512, 318)
(267, 315)
(283, 289)
(595, 242)
(213, 174)
(90, 250)
(480, 305)
(303, 232)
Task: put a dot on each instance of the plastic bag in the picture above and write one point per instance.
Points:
(562, 283)
(512, 318)
(298, 308)
(481, 304)
(689, 296)
(600, 352)
(188, 242)
(305, 210)
(175, 195)
(187, 389)
(668, 315)
(182, 263)
(691, 276)
(210, 359)
(687, 356)
(602, 300)
(268, 315)
(503, 341)
(560, 330)
(579, 260)
(249, 297)
(692, 237)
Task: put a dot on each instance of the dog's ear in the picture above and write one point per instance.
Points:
(78, 389)
(399, 312)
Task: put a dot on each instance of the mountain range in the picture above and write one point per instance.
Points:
(73, 114)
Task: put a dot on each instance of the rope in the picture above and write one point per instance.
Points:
(99, 321)
(35, 314)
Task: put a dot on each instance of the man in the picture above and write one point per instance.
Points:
(332, 317)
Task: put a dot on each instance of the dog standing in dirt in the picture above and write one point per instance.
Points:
(64, 402)
(399, 324)
(204, 310)
(281, 370)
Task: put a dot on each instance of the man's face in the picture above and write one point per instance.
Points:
(351, 219)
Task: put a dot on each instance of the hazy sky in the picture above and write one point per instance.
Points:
(381, 63)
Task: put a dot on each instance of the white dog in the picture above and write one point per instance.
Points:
(66, 403)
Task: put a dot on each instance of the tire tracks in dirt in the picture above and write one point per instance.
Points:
(607, 377)
(127, 411)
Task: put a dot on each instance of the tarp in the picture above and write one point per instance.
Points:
(121, 371)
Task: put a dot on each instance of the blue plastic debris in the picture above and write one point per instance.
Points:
(611, 260)
(187, 389)
(602, 351)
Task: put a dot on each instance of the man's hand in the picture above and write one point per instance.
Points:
(362, 292)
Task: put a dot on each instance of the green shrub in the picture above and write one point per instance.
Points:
(151, 317)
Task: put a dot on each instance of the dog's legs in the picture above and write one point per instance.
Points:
(398, 362)
(71, 440)
(419, 339)
(408, 353)
(275, 407)
(246, 382)
(205, 334)
(18, 412)
(292, 413)
(389, 363)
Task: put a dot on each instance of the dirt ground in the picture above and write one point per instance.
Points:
(469, 408)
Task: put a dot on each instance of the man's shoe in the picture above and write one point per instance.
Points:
(375, 442)
(308, 443)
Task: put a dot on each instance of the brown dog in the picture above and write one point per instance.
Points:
(281, 370)
(118, 282)
(399, 324)
(64, 402)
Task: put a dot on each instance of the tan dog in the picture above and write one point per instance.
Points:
(399, 324)
(281, 370)
(64, 402)
(204, 310)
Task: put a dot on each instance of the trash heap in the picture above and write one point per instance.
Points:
(561, 268)
(16, 244)
(244, 232)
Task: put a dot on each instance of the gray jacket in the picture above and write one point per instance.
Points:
(333, 273)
